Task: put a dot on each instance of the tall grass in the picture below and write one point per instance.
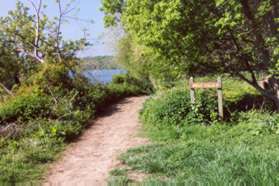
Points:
(243, 150)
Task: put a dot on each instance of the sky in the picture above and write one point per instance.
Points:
(102, 39)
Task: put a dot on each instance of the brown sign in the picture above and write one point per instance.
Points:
(206, 85)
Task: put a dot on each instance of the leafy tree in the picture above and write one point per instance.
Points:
(199, 36)
(29, 39)
(142, 63)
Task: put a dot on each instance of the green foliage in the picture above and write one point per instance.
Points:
(176, 38)
(202, 162)
(50, 109)
(123, 90)
(143, 84)
(29, 39)
(111, 7)
(24, 107)
(174, 108)
(241, 153)
(22, 160)
(44, 101)
(143, 63)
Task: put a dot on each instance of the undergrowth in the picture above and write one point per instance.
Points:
(50, 109)
(191, 147)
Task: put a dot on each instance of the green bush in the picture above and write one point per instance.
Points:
(52, 77)
(239, 151)
(49, 110)
(174, 108)
(171, 108)
(64, 130)
(123, 90)
(120, 79)
(144, 85)
(25, 107)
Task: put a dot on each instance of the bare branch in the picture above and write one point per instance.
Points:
(6, 89)
(37, 9)
(30, 54)
(63, 13)
(58, 31)
(79, 19)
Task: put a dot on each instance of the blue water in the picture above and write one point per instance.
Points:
(102, 76)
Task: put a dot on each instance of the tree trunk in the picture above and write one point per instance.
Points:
(275, 100)
(16, 78)
(277, 104)
(270, 90)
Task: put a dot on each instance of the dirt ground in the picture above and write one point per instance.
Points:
(89, 160)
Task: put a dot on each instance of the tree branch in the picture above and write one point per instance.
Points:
(37, 9)
(6, 89)
(30, 54)
(62, 13)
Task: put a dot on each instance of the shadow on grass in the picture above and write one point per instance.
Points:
(249, 102)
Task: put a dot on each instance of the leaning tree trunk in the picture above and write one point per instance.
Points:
(269, 88)
(275, 99)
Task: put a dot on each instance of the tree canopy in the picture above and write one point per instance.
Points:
(200, 36)
(30, 38)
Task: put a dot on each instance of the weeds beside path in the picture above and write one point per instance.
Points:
(94, 154)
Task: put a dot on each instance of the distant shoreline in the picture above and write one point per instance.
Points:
(99, 63)
(103, 76)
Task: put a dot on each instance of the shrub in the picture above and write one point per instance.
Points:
(171, 108)
(50, 109)
(24, 107)
(174, 108)
(123, 90)
(52, 77)
(64, 130)
(144, 85)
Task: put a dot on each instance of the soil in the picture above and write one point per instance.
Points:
(89, 160)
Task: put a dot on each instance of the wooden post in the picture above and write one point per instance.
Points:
(220, 98)
(209, 85)
(192, 90)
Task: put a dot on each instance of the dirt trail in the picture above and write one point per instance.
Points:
(89, 160)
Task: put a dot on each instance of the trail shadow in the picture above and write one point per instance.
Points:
(109, 110)
(249, 102)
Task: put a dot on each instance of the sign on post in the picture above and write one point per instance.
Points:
(208, 85)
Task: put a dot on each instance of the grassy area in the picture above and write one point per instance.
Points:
(191, 147)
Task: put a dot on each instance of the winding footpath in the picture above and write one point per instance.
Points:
(89, 160)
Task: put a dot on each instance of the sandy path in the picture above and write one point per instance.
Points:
(89, 160)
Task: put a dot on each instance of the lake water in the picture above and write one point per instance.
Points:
(102, 76)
